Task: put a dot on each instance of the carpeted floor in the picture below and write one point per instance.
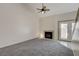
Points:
(36, 47)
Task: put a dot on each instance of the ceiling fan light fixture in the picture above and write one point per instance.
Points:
(43, 10)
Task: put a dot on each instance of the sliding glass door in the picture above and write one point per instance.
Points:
(65, 30)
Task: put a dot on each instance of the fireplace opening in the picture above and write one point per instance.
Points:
(48, 35)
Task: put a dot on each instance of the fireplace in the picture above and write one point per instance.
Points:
(48, 34)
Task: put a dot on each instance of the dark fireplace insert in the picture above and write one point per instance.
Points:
(48, 34)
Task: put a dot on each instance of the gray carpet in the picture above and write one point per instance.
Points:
(36, 47)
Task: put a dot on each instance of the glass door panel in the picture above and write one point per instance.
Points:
(63, 33)
(65, 30)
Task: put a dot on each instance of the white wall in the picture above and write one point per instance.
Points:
(17, 24)
(50, 23)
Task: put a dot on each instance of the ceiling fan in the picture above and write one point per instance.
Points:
(43, 9)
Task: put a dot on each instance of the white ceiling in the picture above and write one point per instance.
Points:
(55, 8)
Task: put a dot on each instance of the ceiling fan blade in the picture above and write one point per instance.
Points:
(47, 9)
(38, 9)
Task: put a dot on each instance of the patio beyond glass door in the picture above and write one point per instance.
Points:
(65, 30)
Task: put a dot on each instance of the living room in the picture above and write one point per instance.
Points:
(24, 27)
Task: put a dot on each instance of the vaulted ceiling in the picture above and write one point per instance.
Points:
(55, 8)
